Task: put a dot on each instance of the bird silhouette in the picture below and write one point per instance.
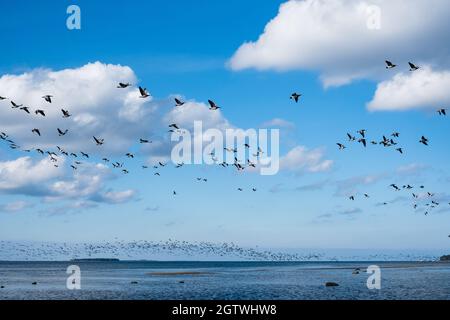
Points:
(144, 93)
(295, 96)
(390, 65)
(66, 113)
(178, 102)
(99, 141)
(41, 112)
(413, 67)
(213, 105)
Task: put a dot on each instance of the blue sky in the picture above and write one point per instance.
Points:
(189, 49)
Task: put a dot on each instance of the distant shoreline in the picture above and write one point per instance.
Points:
(115, 260)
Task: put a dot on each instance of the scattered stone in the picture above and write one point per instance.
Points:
(331, 284)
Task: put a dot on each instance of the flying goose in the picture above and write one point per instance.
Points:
(295, 96)
(363, 141)
(178, 102)
(413, 67)
(362, 132)
(144, 93)
(36, 131)
(15, 105)
(48, 98)
(66, 113)
(62, 133)
(341, 146)
(123, 85)
(390, 65)
(99, 141)
(26, 109)
(442, 112)
(424, 141)
(41, 112)
(213, 105)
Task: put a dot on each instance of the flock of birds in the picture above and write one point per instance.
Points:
(385, 141)
(390, 141)
(360, 137)
(129, 250)
(76, 156)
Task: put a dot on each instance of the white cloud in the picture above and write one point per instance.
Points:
(96, 105)
(332, 37)
(424, 88)
(115, 197)
(22, 173)
(15, 206)
(301, 159)
(277, 122)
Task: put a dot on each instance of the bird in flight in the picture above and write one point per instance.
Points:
(3, 98)
(173, 125)
(363, 141)
(350, 137)
(62, 133)
(143, 141)
(123, 85)
(84, 154)
(48, 98)
(390, 65)
(36, 131)
(178, 102)
(213, 105)
(413, 67)
(26, 109)
(99, 141)
(295, 96)
(41, 112)
(400, 150)
(442, 112)
(15, 105)
(424, 141)
(144, 93)
(66, 113)
(362, 132)
(341, 146)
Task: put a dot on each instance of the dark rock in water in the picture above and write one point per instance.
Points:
(445, 258)
(134, 282)
(34, 283)
(181, 281)
(95, 260)
(331, 284)
(355, 272)
(2, 287)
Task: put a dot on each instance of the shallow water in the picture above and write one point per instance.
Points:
(224, 280)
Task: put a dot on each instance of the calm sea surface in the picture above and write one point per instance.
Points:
(224, 280)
